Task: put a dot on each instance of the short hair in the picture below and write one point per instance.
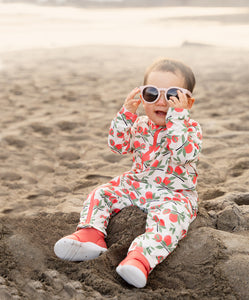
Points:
(173, 66)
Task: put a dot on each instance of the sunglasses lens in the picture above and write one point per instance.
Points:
(172, 93)
(150, 94)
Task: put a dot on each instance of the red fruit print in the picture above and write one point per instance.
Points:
(166, 199)
(112, 143)
(116, 210)
(166, 211)
(174, 139)
(169, 124)
(167, 239)
(146, 157)
(178, 170)
(145, 131)
(148, 195)
(188, 148)
(166, 181)
(107, 193)
(111, 131)
(158, 179)
(122, 110)
(155, 163)
(173, 218)
(96, 202)
(158, 237)
(178, 109)
(176, 199)
(186, 123)
(136, 184)
(142, 200)
(194, 124)
(118, 193)
(138, 166)
(160, 259)
(136, 144)
(120, 134)
(194, 179)
(113, 200)
(149, 230)
(132, 195)
(184, 233)
(140, 129)
(128, 181)
(190, 139)
(170, 170)
(130, 116)
(119, 146)
(156, 219)
(161, 222)
(196, 146)
(115, 183)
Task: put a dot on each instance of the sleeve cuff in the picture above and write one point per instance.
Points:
(177, 114)
(129, 116)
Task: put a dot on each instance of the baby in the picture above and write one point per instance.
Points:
(165, 144)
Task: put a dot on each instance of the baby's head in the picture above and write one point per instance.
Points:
(164, 74)
(172, 66)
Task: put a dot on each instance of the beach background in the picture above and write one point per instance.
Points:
(65, 70)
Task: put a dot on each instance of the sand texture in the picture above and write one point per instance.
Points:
(56, 108)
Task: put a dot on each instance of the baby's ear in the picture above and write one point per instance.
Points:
(190, 102)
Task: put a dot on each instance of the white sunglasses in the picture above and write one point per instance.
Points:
(151, 93)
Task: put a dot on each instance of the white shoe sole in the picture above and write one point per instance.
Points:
(132, 275)
(73, 250)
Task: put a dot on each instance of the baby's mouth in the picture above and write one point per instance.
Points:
(160, 113)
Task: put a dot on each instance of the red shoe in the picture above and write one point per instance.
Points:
(134, 269)
(84, 244)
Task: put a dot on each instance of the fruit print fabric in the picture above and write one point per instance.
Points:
(162, 181)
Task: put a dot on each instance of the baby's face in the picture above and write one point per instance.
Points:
(157, 111)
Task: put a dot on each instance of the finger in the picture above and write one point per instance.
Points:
(171, 103)
(175, 100)
(133, 93)
(182, 96)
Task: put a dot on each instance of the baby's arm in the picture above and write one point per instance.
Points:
(184, 136)
(120, 134)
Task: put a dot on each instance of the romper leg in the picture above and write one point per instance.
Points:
(167, 223)
(99, 205)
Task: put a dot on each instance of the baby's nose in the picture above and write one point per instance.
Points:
(162, 99)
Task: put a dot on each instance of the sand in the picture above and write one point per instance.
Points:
(56, 108)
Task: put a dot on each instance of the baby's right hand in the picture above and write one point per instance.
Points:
(131, 104)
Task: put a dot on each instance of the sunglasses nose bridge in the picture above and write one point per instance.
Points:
(162, 95)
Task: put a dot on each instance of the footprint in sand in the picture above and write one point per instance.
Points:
(40, 128)
(67, 125)
(68, 154)
(14, 141)
(212, 194)
(240, 166)
(38, 194)
(10, 176)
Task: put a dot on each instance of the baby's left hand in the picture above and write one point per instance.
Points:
(182, 102)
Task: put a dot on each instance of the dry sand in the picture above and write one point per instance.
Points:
(56, 108)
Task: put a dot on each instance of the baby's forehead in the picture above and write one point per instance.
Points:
(164, 79)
